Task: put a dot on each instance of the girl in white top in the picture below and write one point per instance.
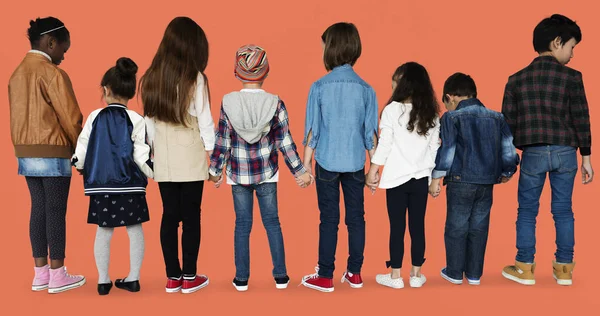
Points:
(408, 144)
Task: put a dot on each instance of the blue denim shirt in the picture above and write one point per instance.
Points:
(341, 113)
(477, 146)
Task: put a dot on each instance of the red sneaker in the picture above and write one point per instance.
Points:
(193, 285)
(173, 285)
(354, 280)
(316, 282)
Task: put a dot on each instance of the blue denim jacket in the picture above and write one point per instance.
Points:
(341, 113)
(477, 146)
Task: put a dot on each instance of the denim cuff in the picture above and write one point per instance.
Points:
(437, 174)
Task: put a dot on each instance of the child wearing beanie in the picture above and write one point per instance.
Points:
(253, 127)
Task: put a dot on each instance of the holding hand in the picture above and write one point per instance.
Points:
(435, 188)
(373, 179)
(304, 180)
(505, 179)
(218, 180)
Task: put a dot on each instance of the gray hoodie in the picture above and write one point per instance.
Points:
(250, 113)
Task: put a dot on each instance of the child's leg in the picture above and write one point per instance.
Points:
(136, 251)
(353, 185)
(102, 252)
(56, 190)
(396, 199)
(37, 221)
(417, 205)
(243, 201)
(267, 200)
(191, 199)
(460, 199)
(328, 196)
(479, 225)
(170, 193)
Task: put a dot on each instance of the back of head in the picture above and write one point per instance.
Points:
(556, 26)
(181, 56)
(50, 26)
(342, 45)
(413, 83)
(121, 78)
(459, 85)
(251, 64)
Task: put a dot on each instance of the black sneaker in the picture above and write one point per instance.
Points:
(282, 282)
(241, 286)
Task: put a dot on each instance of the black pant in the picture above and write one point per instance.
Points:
(47, 226)
(181, 203)
(411, 195)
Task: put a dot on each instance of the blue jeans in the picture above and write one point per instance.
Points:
(560, 162)
(328, 194)
(243, 202)
(467, 226)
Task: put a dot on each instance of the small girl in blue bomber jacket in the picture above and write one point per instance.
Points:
(114, 158)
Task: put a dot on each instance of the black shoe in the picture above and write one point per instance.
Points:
(240, 285)
(282, 283)
(104, 288)
(133, 286)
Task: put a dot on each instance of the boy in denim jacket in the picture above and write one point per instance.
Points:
(477, 152)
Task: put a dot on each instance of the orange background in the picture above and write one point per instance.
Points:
(488, 40)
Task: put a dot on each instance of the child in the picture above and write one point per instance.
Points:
(341, 123)
(408, 144)
(252, 127)
(180, 131)
(114, 158)
(476, 153)
(547, 111)
(45, 122)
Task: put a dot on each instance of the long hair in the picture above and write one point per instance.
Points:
(414, 85)
(168, 85)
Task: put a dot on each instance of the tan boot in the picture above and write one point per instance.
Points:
(563, 273)
(520, 272)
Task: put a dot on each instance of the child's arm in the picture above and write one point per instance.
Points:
(222, 149)
(382, 151)
(510, 159)
(285, 144)
(78, 159)
(205, 120)
(445, 155)
(371, 123)
(150, 134)
(434, 142)
(62, 98)
(581, 120)
(312, 125)
(141, 149)
(509, 107)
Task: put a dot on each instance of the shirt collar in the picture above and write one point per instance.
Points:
(39, 52)
(252, 90)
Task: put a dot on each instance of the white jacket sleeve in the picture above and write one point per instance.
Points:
(141, 150)
(201, 105)
(82, 142)
(386, 139)
(434, 142)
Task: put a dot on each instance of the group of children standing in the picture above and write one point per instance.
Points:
(470, 147)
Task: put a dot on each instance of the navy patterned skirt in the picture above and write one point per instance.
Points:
(118, 210)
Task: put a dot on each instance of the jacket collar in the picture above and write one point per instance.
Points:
(469, 102)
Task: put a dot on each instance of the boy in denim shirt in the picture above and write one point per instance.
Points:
(477, 152)
(547, 111)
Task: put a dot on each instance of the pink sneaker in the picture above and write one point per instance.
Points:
(41, 279)
(61, 281)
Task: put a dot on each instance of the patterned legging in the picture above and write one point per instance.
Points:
(48, 211)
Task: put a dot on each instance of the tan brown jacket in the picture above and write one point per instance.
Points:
(45, 120)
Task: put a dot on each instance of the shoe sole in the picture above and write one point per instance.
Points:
(281, 286)
(66, 287)
(318, 288)
(416, 286)
(352, 285)
(473, 282)
(451, 280)
(242, 288)
(195, 289)
(391, 286)
(175, 290)
(38, 288)
(563, 282)
(518, 280)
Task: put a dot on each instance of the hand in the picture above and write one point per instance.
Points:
(216, 179)
(308, 166)
(505, 179)
(219, 182)
(372, 179)
(435, 188)
(80, 171)
(587, 172)
(304, 180)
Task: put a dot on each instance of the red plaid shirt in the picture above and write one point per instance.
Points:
(545, 103)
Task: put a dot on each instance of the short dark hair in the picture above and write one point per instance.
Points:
(342, 45)
(460, 85)
(121, 78)
(555, 26)
(43, 25)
